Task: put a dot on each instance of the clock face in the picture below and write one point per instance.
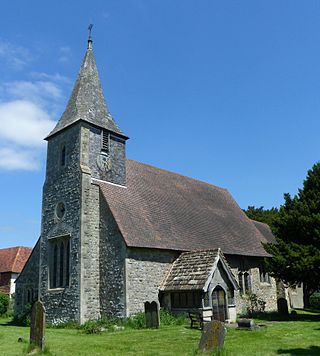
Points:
(104, 162)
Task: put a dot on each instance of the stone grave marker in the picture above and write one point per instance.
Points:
(282, 305)
(212, 337)
(152, 315)
(37, 326)
(247, 324)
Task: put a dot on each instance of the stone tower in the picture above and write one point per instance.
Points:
(85, 146)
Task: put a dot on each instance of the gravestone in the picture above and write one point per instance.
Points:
(247, 324)
(37, 326)
(282, 305)
(152, 315)
(212, 337)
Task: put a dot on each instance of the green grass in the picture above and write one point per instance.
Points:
(290, 337)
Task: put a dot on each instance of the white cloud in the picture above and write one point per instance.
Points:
(52, 77)
(15, 159)
(33, 91)
(24, 123)
(14, 56)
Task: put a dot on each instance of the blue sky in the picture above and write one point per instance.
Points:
(227, 92)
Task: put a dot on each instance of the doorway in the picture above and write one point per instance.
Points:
(219, 310)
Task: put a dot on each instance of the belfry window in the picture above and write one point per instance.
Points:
(59, 269)
(105, 141)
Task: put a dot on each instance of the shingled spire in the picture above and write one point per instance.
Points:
(87, 101)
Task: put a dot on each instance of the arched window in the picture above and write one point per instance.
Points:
(244, 282)
(55, 266)
(60, 262)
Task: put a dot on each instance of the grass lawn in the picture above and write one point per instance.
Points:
(299, 337)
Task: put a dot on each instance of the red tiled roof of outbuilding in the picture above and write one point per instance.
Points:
(13, 259)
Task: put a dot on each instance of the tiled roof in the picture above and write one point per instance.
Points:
(13, 259)
(265, 230)
(194, 270)
(87, 100)
(160, 209)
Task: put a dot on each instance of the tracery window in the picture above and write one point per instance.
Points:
(59, 269)
(264, 275)
(244, 282)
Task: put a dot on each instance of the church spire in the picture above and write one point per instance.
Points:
(87, 101)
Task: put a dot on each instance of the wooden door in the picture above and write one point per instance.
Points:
(219, 309)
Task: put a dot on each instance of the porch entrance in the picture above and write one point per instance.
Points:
(219, 309)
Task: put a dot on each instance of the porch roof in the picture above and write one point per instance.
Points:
(194, 271)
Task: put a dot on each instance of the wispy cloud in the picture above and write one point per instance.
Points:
(65, 54)
(15, 159)
(14, 56)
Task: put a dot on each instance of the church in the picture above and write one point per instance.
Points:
(116, 233)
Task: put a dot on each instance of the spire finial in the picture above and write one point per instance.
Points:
(90, 38)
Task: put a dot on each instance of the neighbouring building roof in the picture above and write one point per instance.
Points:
(161, 209)
(87, 101)
(13, 259)
(194, 271)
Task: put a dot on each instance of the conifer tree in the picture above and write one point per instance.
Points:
(296, 255)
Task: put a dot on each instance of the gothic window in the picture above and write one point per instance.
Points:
(264, 275)
(63, 156)
(244, 282)
(59, 262)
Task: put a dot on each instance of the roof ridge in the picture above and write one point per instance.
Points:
(178, 174)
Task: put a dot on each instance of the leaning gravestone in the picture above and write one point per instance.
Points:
(152, 316)
(282, 305)
(37, 326)
(212, 337)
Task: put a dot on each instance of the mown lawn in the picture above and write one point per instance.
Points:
(299, 337)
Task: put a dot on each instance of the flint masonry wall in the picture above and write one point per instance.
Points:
(265, 291)
(63, 184)
(117, 172)
(145, 270)
(28, 280)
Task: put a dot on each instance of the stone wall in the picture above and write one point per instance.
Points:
(28, 280)
(264, 291)
(117, 172)
(145, 270)
(90, 235)
(62, 184)
(112, 265)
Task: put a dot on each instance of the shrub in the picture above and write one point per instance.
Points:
(24, 318)
(166, 318)
(92, 327)
(315, 300)
(254, 305)
(4, 303)
(136, 321)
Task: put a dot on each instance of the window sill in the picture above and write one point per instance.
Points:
(56, 290)
(265, 284)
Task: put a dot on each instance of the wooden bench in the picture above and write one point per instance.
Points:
(196, 320)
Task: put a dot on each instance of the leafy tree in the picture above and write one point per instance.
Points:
(296, 255)
(263, 215)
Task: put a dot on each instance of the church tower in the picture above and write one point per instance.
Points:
(85, 146)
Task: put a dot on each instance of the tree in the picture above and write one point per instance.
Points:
(296, 255)
(263, 215)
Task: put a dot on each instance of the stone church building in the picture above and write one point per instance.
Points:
(116, 233)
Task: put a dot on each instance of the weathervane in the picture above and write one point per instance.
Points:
(90, 38)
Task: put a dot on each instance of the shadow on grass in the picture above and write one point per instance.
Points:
(300, 316)
(312, 350)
